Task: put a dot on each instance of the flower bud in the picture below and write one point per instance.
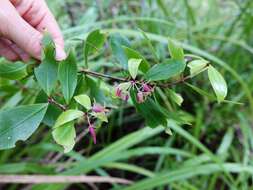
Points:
(118, 92)
(140, 97)
(126, 97)
(93, 133)
(147, 88)
(97, 108)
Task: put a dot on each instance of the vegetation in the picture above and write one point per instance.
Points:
(153, 95)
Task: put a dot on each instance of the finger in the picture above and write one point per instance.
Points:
(40, 17)
(21, 53)
(7, 52)
(19, 31)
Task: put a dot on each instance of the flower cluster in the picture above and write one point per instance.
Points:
(143, 90)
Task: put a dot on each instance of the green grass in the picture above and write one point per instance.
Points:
(215, 152)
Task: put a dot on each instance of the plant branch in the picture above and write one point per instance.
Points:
(38, 179)
(181, 80)
(96, 74)
(101, 75)
(54, 102)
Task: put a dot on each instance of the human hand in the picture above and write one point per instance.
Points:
(22, 23)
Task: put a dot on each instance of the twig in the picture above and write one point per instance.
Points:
(52, 101)
(38, 179)
(166, 85)
(96, 74)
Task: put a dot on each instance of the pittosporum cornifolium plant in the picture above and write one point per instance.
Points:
(67, 94)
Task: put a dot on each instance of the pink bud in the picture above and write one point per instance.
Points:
(118, 92)
(147, 88)
(140, 97)
(126, 97)
(97, 108)
(93, 133)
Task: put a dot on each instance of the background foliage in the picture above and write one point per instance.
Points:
(215, 152)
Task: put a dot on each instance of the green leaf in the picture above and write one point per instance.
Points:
(101, 116)
(133, 66)
(19, 123)
(197, 66)
(13, 101)
(12, 71)
(51, 115)
(53, 111)
(150, 111)
(132, 54)
(164, 71)
(116, 43)
(67, 116)
(94, 41)
(65, 135)
(84, 100)
(210, 96)
(124, 86)
(68, 76)
(46, 73)
(176, 51)
(177, 98)
(218, 83)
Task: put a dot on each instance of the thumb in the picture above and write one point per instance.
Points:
(19, 31)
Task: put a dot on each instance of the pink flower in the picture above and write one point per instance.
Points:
(93, 133)
(140, 97)
(147, 88)
(97, 108)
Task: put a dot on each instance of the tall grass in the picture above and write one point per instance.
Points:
(215, 152)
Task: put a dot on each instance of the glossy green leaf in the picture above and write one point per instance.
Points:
(94, 41)
(197, 66)
(67, 116)
(68, 76)
(46, 73)
(218, 83)
(65, 135)
(84, 100)
(19, 123)
(116, 43)
(164, 71)
(133, 66)
(132, 54)
(150, 111)
(176, 51)
(12, 71)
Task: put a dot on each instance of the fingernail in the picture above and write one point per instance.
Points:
(60, 53)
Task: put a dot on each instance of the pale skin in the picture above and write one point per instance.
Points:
(22, 24)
